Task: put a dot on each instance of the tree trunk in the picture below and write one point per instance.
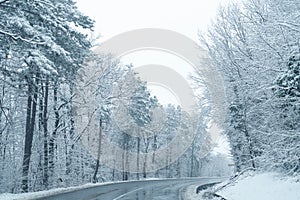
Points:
(138, 158)
(251, 153)
(192, 160)
(250, 147)
(147, 144)
(70, 149)
(98, 153)
(30, 122)
(54, 133)
(45, 129)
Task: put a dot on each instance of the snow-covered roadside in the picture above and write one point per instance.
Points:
(32, 195)
(266, 186)
(41, 194)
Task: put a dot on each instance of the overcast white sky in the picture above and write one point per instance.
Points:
(116, 16)
(187, 17)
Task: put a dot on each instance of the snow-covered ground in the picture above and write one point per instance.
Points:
(31, 195)
(266, 186)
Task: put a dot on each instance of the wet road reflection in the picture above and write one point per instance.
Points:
(163, 189)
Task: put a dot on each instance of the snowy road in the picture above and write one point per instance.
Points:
(138, 190)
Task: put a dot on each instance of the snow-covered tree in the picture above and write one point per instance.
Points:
(251, 43)
(42, 49)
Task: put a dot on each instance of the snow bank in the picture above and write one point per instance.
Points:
(32, 195)
(264, 186)
(45, 193)
(267, 186)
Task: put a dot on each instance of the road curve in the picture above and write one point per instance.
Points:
(162, 189)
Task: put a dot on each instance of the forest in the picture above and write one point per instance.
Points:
(44, 47)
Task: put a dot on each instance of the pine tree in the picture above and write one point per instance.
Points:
(42, 49)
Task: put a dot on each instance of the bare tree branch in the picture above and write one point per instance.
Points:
(17, 37)
(1, 2)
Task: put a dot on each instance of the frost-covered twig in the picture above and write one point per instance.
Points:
(17, 37)
(1, 2)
